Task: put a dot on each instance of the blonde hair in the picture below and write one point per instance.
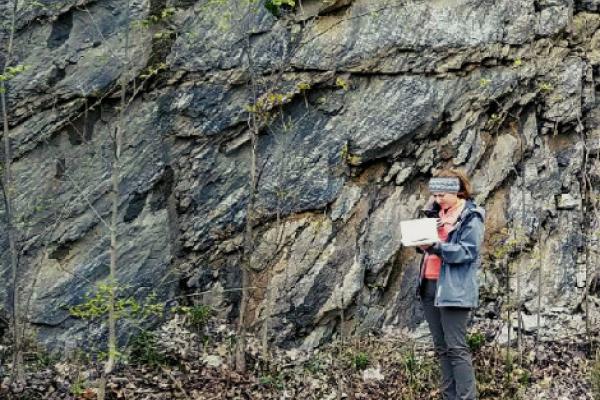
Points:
(466, 189)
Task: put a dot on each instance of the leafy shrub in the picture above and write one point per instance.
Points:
(275, 6)
(475, 341)
(197, 316)
(360, 361)
(143, 349)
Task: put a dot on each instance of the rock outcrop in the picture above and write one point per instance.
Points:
(376, 95)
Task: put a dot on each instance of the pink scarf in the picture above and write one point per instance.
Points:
(446, 224)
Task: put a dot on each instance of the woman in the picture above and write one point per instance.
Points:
(448, 285)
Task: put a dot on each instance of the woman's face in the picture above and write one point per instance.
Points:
(445, 200)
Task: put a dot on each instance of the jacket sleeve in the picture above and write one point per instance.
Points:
(468, 246)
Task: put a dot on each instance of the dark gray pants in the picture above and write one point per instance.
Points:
(448, 326)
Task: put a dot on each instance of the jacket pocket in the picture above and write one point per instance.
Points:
(454, 284)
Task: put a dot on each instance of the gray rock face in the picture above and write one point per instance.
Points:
(213, 39)
(368, 99)
(393, 36)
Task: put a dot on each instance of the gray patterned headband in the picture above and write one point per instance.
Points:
(444, 185)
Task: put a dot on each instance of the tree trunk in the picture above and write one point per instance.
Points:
(18, 373)
(240, 357)
(114, 221)
(508, 316)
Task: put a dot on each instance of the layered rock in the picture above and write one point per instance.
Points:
(377, 96)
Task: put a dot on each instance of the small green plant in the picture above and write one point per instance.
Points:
(44, 359)
(10, 73)
(523, 376)
(276, 381)
(545, 87)
(507, 242)
(344, 151)
(143, 349)
(360, 361)
(314, 365)
(265, 103)
(409, 361)
(77, 388)
(517, 62)
(494, 119)
(96, 305)
(417, 371)
(197, 316)
(166, 13)
(265, 379)
(303, 86)
(153, 70)
(595, 376)
(163, 15)
(483, 82)
(353, 159)
(475, 340)
(274, 6)
(342, 84)
(287, 125)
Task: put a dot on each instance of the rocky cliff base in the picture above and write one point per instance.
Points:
(181, 361)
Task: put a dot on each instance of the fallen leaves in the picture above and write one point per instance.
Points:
(198, 366)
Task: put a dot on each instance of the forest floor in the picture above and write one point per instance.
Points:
(181, 361)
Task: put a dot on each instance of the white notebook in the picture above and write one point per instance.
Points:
(417, 232)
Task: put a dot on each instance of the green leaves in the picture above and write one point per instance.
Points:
(517, 62)
(274, 6)
(153, 70)
(14, 71)
(197, 316)
(11, 72)
(475, 340)
(97, 305)
(342, 84)
(143, 349)
(545, 87)
(360, 361)
(163, 15)
(303, 86)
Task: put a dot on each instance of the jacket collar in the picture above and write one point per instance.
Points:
(472, 208)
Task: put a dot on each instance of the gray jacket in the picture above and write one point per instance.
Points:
(458, 285)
